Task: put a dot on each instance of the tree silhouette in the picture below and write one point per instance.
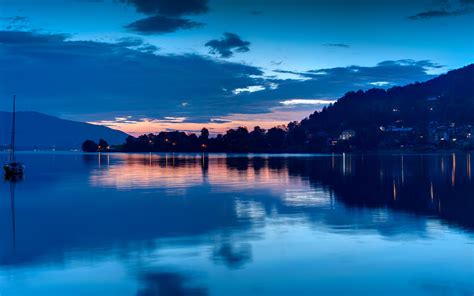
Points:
(103, 145)
(89, 146)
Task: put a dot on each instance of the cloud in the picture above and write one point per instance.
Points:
(379, 83)
(341, 45)
(227, 46)
(15, 19)
(137, 44)
(165, 16)
(439, 13)
(130, 41)
(332, 83)
(100, 81)
(423, 64)
(220, 121)
(250, 88)
(445, 8)
(307, 102)
(161, 24)
(118, 82)
(14, 38)
(17, 22)
(170, 8)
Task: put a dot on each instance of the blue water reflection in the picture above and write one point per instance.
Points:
(188, 224)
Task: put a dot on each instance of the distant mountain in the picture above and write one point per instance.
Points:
(448, 98)
(37, 130)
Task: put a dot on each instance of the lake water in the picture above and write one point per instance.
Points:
(154, 224)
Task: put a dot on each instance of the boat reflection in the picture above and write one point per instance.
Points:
(12, 183)
(12, 201)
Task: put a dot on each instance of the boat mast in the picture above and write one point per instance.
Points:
(12, 153)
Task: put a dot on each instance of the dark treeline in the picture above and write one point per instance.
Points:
(277, 139)
(429, 115)
(91, 146)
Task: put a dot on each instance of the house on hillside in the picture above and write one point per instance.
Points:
(347, 135)
(438, 134)
(401, 131)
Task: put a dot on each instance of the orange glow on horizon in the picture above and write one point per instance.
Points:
(264, 120)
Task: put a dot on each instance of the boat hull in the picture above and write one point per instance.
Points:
(14, 169)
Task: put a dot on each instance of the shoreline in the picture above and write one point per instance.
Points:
(371, 152)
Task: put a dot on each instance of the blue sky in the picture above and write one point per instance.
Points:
(142, 66)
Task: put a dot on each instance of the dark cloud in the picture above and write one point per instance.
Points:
(161, 24)
(130, 41)
(55, 75)
(332, 83)
(17, 22)
(227, 46)
(148, 48)
(91, 81)
(15, 19)
(290, 72)
(439, 13)
(169, 7)
(423, 64)
(166, 15)
(12, 38)
(342, 45)
(445, 8)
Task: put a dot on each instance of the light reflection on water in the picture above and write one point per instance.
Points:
(183, 171)
(188, 224)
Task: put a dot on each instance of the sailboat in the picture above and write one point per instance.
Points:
(13, 168)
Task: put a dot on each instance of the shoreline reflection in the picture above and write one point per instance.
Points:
(412, 184)
(203, 224)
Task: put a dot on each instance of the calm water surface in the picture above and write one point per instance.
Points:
(154, 224)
